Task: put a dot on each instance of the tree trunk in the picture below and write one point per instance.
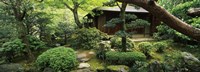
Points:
(23, 35)
(167, 18)
(76, 18)
(123, 12)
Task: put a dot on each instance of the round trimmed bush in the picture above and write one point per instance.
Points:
(59, 59)
(145, 47)
(160, 46)
(127, 58)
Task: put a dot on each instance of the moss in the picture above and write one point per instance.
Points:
(117, 67)
(96, 64)
(157, 56)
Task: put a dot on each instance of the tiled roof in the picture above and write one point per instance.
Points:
(128, 9)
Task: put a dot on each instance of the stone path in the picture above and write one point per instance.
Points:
(142, 39)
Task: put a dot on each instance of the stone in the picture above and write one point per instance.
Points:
(58, 45)
(194, 11)
(92, 53)
(13, 67)
(82, 55)
(84, 59)
(83, 65)
(112, 49)
(189, 58)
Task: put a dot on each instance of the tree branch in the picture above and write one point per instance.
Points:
(67, 6)
(167, 18)
(118, 5)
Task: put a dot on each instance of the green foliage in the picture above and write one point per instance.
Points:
(116, 43)
(16, 47)
(104, 46)
(139, 66)
(195, 22)
(145, 47)
(60, 59)
(12, 49)
(170, 4)
(160, 46)
(131, 22)
(179, 8)
(112, 23)
(86, 38)
(138, 23)
(36, 44)
(173, 60)
(126, 58)
(165, 32)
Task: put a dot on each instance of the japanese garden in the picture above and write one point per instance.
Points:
(99, 35)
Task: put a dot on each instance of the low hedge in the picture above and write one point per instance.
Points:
(126, 58)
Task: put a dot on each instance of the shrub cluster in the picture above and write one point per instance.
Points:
(12, 49)
(117, 43)
(59, 59)
(36, 44)
(160, 46)
(126, 58)
(17, 47)
(145, 47)
(86, 38)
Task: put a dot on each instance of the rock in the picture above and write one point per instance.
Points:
(83, 65)
(189, 57)
(82, 55)
(14, 67)
(194, 11)
(84, 59)
(112, 49)
(58, 45)
(92, 53)
(85, 56)
(83, 70)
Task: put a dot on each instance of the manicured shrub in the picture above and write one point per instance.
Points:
(117, 43)
(160, 46)
(127, 58)
(59, 59)
(145, 47)
(86, 38)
